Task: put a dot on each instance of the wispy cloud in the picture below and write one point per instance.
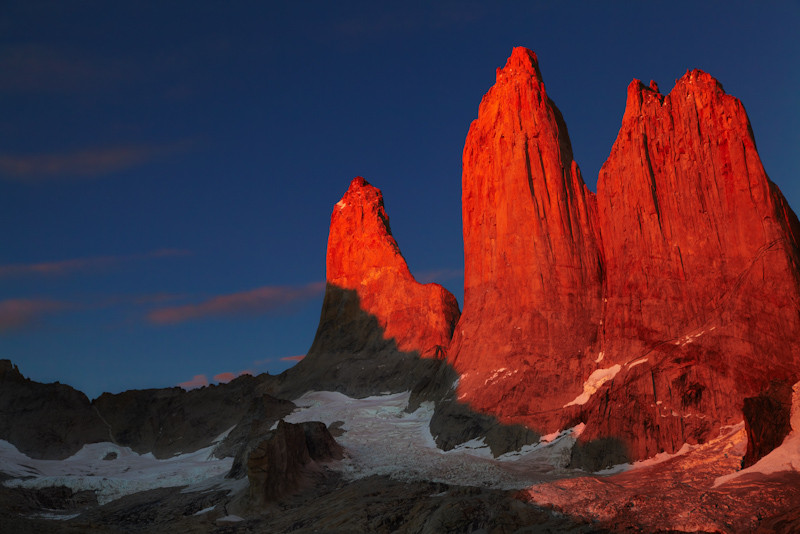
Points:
(254, 302)
(93, 263)
(16, 314)
(41, 68)
(224, 378)
(293, 358)
(84, 163)
(198, 381)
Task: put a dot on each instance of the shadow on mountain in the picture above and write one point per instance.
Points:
(54, 421)
(351, 355)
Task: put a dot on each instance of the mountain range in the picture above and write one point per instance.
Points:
(654, 324)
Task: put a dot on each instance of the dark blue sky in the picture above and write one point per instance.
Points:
(168, 169)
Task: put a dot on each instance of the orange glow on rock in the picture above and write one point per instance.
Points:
(648, 311)
(364, 257)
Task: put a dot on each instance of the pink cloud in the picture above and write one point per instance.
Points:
(293, 358)
(254, 302)
(224, 378)
(85, 163)
(62, 267)
(198, 381)
(19, 313)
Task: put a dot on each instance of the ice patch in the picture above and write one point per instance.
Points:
(785, 457)
(593, 383)
(230, 519)
(637, 362)
(128, 473)
(54, 516)
(386, 440)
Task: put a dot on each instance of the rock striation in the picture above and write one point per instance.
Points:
(533, 271)
(377, 321)
(649, 311)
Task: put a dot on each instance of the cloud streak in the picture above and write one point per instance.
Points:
(293, 358)
(259, 301)
(224, 378)
(16, 314)
(84, 163)
(198, 381)
(69, 266)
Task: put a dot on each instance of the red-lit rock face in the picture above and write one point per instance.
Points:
(650, 313)
(364, 257)
(701, 260)
(532, 291)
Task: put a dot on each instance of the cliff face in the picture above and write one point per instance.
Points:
(533, 272)
(363, 256)
(702, 291)
(650, 312)
(380, 330)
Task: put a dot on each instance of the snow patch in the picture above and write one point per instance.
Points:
(600, 357)
(128, 473)
(384, 439)
(785, 457)
(637, 362)
(593, 383)
(204, 510)
(230, 519)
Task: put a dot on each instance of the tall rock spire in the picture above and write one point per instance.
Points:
(533, 275)
(363, 256)
(702, 292)
(649, 313)
(380, 330)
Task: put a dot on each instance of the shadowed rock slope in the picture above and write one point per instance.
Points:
(53, 421)
(379, 327)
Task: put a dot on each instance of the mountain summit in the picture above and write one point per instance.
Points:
(650, 311)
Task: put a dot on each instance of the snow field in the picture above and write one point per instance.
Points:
(382, 439)
(128, 473)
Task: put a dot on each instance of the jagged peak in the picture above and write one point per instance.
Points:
(699, 79)
(521, 61)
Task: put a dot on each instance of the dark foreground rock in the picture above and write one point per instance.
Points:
(766, 420)
(375, 504)
(280, 463)
(255, 424)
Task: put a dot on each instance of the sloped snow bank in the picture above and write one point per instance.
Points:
(785, 457)
(382, 439)
(124, 473)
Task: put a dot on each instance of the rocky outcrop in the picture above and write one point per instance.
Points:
(49, 421)
(377, 321)
(649, 312)
(53, 421)
(261, 415)
(766, 421)
(278, 465)
(171, 421)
